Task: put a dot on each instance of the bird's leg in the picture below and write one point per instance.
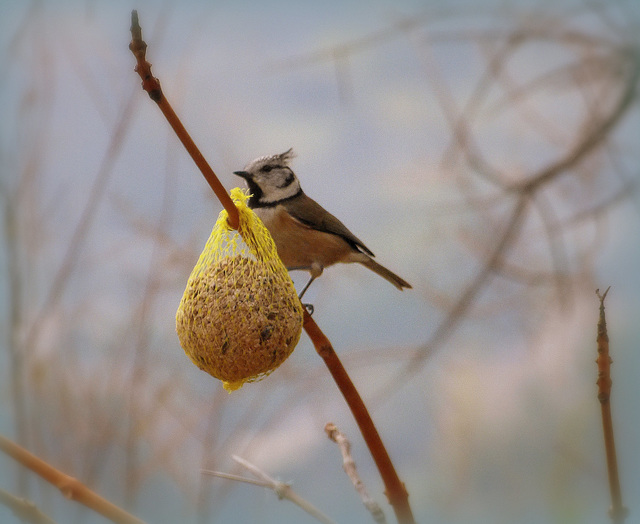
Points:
(304, 289)
(309, 307)
(316, 271)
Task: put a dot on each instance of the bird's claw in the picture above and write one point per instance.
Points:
(309, 307)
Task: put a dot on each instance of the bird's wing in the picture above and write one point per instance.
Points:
(313, 215)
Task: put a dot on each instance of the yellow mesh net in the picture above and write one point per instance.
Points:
(240, 316)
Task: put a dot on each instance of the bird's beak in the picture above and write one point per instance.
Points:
(244, 174)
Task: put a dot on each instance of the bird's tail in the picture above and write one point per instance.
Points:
(385, 273)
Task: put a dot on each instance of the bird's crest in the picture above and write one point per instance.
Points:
(286, 157)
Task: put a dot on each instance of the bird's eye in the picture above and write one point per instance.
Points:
(267, 168)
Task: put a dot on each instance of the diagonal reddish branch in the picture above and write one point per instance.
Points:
(152, 86)
(395, 490)
(617, 512)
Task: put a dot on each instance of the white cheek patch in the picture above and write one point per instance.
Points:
(271, 195)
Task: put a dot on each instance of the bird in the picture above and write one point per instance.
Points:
(307, 236)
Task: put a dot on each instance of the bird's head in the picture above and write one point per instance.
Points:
(270, 179)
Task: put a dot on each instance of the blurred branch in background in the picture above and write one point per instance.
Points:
(23, 509)
(71, 488)
(20, 222)
(281, 489)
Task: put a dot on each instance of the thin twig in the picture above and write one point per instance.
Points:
(281, 489)
(395, 489)
(617, 512)
(70, 487)
(152, 86)
(349, 466)
(24, 509)
(237, 478)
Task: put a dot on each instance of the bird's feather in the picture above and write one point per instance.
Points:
(313, 215)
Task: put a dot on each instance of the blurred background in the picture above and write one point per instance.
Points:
(487, 152)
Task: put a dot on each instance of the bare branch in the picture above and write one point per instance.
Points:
(70, 487)
(618, 512)
(281, 489)
(24, 509)
(349, 466)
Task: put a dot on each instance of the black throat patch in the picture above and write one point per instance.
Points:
(255, 192)
(255, 202)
